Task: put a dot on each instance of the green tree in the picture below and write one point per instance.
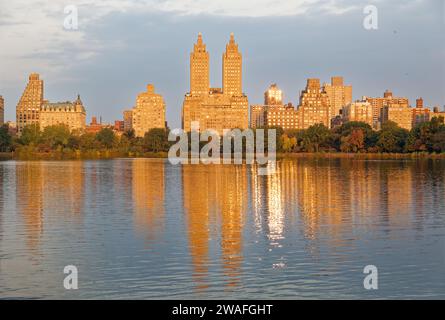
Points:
(87, 141)
(156, 140)
(106, 138)
(56, 136)
(316, 137)
(5, 139)
(30, 135)
(392, 138)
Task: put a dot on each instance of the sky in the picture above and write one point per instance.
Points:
(122, 45)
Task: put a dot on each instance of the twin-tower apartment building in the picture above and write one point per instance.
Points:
(215, 108)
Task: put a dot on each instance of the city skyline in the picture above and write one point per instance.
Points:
(271, 53)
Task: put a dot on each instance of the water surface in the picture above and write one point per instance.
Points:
(147, 229)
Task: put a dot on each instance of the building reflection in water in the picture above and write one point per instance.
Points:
(148, 188)
(45, 192)
(218, 194)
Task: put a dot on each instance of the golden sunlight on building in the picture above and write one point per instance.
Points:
(339, 95)
(71, 114)
(28, 108)
(149, 112)
(358, 111)
(314, 105)
(215, 108)
(387, 100)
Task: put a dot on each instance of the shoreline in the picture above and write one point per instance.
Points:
(109, 155)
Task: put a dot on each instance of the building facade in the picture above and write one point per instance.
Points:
(149, 112)
(358, 111)
(380, 102)
(402, 115)
(273, 96)
(2, 110)
(215, 108)
(71, 114)
(28, 108)
(314, 106)
(339, 95)
(128, 120)
(438, 114)
(420, 113)
(257, 115)
(283, 116)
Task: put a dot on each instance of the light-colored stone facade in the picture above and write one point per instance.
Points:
(128, 120)
(217, 108)
(257, 115)
(402, 115)
(28, 108)
(273, 96)
(339, 95)
(149, 112)
(314, 105)
(380, 102)
(358, 111)
(283, 116)
(71, 114)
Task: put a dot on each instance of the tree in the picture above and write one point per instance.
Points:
(156, 140)
(288, 143)
(30, 135)
(354, 142)
(315, 137)
(392, 138)
(87, 141)
(56, 136)
(106, 138)
(5, 139)
(424, 136)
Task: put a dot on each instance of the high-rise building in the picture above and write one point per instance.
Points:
(232, 69)
(314, 105)
(28, 108)
(216, 109)
(358, 111)
(199, 69)
(257, 112)
(2, 110)
(380, 102)
(402, 115)
(339, 95)
(149, 112)
(128, 120)
(273, 96)
(283, 116)
(420, 113)
(71, 114)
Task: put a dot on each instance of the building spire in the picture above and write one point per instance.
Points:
(232, 37)
(199, 38)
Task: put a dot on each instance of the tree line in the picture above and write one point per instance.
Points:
(351, 137)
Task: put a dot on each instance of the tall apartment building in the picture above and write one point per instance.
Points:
(420, 113)
(215, 108)
(284, 116)
(402, 115)
(314, 105)
(2, 110)
(128, 120)
(71, 114)
(149, 112)
(339, 95)
(257, 115)
(380, 102)
(358, 111)
(28, 108)
(273, 96)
